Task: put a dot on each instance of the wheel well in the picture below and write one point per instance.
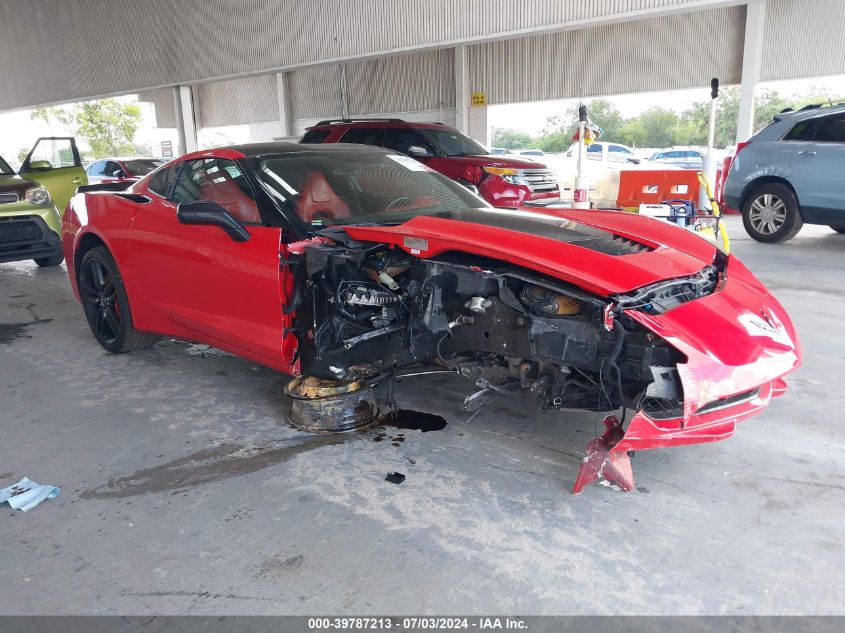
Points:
(86, 243)
(749, 188)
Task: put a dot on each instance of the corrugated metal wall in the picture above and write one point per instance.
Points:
(398, 84)
(87, 48)
(315, 92)
(403, 83)
(803, 39)
(55, 51)
(246, 100)
(670, 52)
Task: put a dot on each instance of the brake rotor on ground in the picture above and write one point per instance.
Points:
(328, 406)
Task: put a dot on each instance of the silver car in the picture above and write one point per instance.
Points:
(791, 172)
(682, 158)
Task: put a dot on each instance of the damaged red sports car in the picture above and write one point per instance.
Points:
(347, 264)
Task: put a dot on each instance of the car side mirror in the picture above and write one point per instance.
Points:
(636, 161)
(419, 151)
(119, 174)
(40, 165)
(207, 212)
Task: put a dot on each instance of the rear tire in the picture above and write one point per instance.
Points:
(771, 213)
(53, 260)
(106, 304)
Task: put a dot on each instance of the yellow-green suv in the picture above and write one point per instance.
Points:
(31, 201)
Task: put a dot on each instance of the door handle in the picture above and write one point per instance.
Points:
(806, 152)
(77, 180)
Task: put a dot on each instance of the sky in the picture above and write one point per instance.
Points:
(18, 130)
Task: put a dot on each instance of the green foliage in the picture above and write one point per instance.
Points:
(107, 125)
(48, 115)
(510, 139)
(23, 152)
(657, 126)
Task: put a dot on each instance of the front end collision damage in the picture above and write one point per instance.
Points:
(691, 357)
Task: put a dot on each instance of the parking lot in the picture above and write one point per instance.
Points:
(185, 491)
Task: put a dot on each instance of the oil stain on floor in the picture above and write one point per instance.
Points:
(414, 421)
(220, 462)
(12, 331)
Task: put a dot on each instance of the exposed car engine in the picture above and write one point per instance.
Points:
(365, 310)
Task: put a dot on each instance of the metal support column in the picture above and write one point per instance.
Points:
(186, 125)
(461, 90)
(284, 105)
(752, 55)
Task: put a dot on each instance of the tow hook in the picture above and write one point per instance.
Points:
(601, 459)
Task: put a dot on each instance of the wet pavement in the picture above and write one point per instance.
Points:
(184, 490)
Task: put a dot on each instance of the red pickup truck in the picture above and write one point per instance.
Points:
(503, 181)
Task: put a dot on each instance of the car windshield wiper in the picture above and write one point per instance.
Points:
(352, 222)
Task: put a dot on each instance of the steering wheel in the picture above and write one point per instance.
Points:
(396, 202)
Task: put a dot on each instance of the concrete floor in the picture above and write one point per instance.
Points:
(185, 492)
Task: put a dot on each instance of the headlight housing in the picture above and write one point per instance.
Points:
(508, 174)
(37, 195)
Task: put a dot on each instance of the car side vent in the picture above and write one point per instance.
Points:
(134, 197)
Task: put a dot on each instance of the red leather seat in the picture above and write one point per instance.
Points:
(225, 192)
(317, 200)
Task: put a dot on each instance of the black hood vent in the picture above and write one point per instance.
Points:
(553, 228)
(615, 245)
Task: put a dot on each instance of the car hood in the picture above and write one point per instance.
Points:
(497, 160)
(603, 252)
(15, 184)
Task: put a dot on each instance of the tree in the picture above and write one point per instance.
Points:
(51, 114)
(108, 126)
(655, 127)
(510, 139)
(23, 152)
(607, 117)
(659, 127)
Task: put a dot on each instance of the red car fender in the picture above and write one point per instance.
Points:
(85, 216)
(736, 341)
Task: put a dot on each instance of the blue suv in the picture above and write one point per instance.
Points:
(791, 172)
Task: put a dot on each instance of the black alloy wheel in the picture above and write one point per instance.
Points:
(106, 304)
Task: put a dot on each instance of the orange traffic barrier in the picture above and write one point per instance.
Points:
(656, 186)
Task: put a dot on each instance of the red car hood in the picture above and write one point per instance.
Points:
(735, 340)
(497, 160)
(603, 252)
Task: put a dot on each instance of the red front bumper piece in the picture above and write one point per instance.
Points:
(601, 459)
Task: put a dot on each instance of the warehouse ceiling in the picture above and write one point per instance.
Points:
(396, 54)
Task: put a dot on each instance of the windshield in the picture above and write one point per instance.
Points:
(5, 169)
(358, 187)
(142, 167)
(450, 142)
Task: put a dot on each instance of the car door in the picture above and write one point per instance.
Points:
(619, 158)
(54, 162)
(198, 280)
(816, 168)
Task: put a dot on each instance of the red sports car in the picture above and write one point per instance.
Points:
(347, 264)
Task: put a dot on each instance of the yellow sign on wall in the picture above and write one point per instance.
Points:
(479, 99)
